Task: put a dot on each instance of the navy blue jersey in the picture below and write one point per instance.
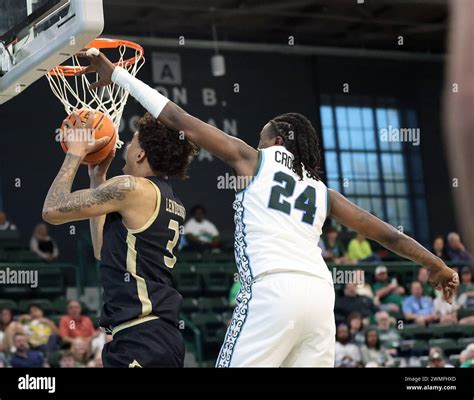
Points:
(136, 264)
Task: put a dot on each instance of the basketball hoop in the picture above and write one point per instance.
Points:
(74, 93)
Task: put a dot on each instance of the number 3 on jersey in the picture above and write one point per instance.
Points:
(305, 202)
(174, 226)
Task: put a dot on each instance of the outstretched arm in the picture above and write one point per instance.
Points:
(354, 217)
(235, 152)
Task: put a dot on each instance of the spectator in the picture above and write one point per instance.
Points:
(418, 308)
(333, 249)
(201, 234)
(372, 351)
(80, 352)
(389, 295)
(466, 284)
(66, 360)
(356, 327)
(466, 358)
(455, 250)
(23, 356)
(347, 354)
(5, 224)
(74, 324)
(359, 249)
(351, 302)
(423, 276)
(42, 244)
(41, 331)
(6, 318)
(446, 313)
(436, 359)
(438, 248)
(388, 335)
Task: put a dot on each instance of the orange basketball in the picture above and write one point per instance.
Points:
(102, 127)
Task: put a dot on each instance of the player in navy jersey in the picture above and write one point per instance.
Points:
(135, 222)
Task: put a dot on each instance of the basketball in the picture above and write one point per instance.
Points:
(102, 127)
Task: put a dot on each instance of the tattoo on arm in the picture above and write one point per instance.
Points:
(61, 199)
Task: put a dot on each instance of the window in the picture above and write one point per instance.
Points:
(373, 159)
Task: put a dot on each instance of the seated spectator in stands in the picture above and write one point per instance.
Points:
(333, 250)
(347, 354)
(446, 313)
(372, 351)
(80, 352)
(74, 324)
(201, 234)
(41, 332)
(423, 276)
(455, 250)
(5, 224)
(42, 244)
(359, 249)
(351, 302)
(6, 318)
(356, 328)
(418, 308)
(66, 360)
(466, 300)
(24, 357)
(466, 284)
(388, 295)
(436, 359)
(438, 248)
(389, 336)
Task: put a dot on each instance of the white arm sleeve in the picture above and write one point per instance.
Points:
(149, 98)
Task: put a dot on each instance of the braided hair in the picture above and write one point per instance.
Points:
(301, 140)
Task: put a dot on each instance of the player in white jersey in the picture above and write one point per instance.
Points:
(284, 314)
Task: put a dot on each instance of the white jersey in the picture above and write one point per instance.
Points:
(279, 220)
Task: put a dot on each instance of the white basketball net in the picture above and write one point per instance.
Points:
(74, 93)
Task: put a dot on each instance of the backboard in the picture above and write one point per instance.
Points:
(38, 35)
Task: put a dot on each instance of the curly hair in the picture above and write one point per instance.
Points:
(301, 140)
(165, 149)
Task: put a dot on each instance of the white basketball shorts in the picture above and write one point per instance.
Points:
(283, 319)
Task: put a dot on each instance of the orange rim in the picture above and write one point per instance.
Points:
(102, 43)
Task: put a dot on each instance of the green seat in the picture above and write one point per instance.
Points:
(449, 346)
(217, 279)
(211, 326)
(187, 280)
(465, 312)
(189, 305)
(213, 304)
(445, 331)
(413, 331)
(60, 305)
(466, 330)
(45, 304)
(464, 342)
(424, 360)
(7, 303)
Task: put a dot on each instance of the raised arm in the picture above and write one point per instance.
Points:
(233, 151)
(61, 205)
(354, 217)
